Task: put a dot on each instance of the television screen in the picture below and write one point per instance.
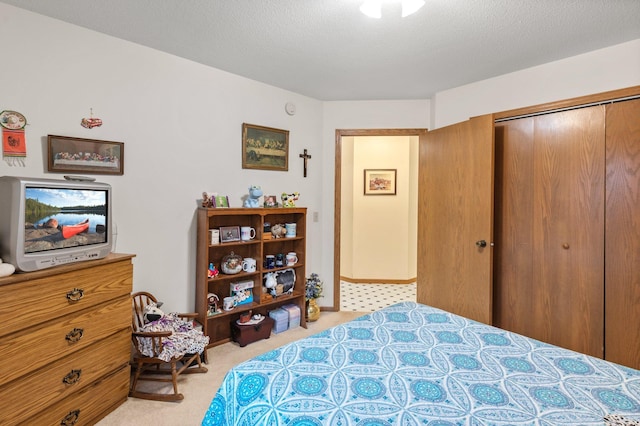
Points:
(58, 218)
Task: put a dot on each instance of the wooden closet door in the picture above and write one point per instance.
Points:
(455, 209)
(550, 266)
(622, 280)
(513, 230)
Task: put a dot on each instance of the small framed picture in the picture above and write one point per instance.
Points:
(229, 233)
(380, 181)
(270, 201)
(222, 201)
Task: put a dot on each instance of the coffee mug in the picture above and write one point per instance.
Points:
(292, 258)
(247, 233)
(228, 303)
(249, 264)
(279, 260)
(270, 261)
(291, 230)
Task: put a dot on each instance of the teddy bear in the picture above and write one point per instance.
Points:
(208, 200)
(6, 269)
(289, 200)
(253, 200)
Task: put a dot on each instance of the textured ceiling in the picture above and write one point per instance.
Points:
(328, 50)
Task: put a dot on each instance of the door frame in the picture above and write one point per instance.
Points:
(337, 214)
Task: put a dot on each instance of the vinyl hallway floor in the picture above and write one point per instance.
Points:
(364, 297)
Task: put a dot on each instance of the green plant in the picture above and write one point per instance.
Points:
(313, 288)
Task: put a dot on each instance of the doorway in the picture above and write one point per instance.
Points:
(340, 160)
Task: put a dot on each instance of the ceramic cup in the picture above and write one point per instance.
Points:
(292, 258)
(291, 230)
(247, 233)
(270, 261)
(279, 260)
(228, 303)
(249, 264)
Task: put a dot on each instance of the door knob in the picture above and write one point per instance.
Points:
(481, 243)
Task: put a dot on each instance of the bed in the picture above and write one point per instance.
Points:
(411, 364)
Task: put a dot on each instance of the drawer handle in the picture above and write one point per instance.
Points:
(72, 377)
(71, 418)
(75, 294)
(74, 335)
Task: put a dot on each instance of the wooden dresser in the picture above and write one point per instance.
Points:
(65, 336)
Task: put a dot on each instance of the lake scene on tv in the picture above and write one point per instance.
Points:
(58, 218)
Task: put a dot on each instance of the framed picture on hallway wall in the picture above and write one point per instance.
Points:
(264, 148)
(380, 181)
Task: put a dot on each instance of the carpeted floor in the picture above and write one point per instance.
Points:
(199, 389)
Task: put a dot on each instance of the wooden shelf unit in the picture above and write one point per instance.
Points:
(218, 327)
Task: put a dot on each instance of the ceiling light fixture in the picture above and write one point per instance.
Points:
(373, 8)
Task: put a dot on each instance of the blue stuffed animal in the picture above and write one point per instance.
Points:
(253, 200)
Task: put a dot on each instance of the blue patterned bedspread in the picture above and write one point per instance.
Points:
(411, 364)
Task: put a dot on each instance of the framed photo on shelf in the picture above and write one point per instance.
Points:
(270, 201)
(75, 155)
(221, 201)
(264, 148)
(229, 234)
(380, 181)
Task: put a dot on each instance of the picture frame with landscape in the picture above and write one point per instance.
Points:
(380, 181)
(264, 148)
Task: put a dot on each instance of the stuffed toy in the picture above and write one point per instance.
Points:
(184, 339)
(278, 230)
(270, 282)
(6, 269)
(209, 199)
(255, 192)
(152, 312)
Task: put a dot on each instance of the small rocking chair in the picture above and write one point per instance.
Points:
(151, 368)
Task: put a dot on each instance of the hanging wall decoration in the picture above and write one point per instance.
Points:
(90, 123)
(14, 144)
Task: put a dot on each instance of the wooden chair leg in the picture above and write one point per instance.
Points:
(136, 375)
(174, 377)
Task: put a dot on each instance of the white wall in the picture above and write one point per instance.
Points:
(181, 125)
(615, 67)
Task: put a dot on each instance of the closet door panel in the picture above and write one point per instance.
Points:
(456, 210)
(622, 281)
(513, 230)
(569, 229)
(550, 228)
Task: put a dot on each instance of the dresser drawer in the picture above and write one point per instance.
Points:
(87, 406)
(31, 349)
(34, 301)
(54, 382)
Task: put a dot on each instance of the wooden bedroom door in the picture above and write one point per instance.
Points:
(455, 206)
(549, 271)
(622, 280)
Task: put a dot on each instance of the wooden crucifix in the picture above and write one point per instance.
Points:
(305, 157)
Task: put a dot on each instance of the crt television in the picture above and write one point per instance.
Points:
(47, 222)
